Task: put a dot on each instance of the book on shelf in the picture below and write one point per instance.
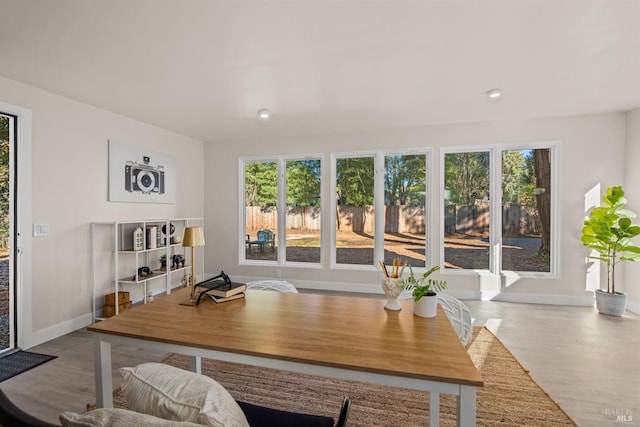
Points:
(225, 299)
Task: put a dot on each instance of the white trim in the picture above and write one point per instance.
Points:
(633, 307)
(574, 300)
(375, 289)
(58, 330)
(281, 209)
(242, 212)
(23, 222)
(378, 207)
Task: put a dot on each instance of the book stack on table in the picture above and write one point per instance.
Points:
(223, 292)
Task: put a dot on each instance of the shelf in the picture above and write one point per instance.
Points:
(108, 242)
(175, 270)
(153, 275)
(131, 251)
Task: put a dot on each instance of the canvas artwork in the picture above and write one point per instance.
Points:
(140, 175)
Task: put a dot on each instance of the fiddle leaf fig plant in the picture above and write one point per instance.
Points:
(609, 230)
(424, 285)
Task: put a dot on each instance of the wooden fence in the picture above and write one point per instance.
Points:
(516, 220)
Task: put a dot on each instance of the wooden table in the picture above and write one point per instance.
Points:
(335, 336)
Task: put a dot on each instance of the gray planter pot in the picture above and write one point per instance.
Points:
(611, 304)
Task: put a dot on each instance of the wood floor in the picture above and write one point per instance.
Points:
(587, 362)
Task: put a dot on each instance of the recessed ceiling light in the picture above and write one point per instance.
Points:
(494, 93)
(264, 114)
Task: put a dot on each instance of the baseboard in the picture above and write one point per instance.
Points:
(633, 307)
(584, 301)
(38, 337)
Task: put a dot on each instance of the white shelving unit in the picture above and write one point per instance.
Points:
(115, 260)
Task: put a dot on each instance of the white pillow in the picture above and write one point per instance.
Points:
(114, 417)
(175, 394)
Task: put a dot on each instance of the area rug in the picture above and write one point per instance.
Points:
(19, 362)
(510, 396)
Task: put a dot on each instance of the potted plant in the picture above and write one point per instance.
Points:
(608, 231)
(425, 299)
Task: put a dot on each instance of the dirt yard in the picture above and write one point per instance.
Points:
(461, 251)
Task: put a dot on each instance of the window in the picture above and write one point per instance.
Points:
(282, 209)
(526, 210)
(380, 209)
(355, 226)
(466, 210)
(303, 214)
(405, 189)
(499, 211)
(261, 214)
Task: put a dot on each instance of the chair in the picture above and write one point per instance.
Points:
(260, 416)
(263, 237)
(257, 416)
(11, 415)
(459, 316)
(272, 285)
(457, 313)
(344, 412)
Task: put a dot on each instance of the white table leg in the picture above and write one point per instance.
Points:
(434, 409)
(467, 406)
(196, 364)
(102, 362)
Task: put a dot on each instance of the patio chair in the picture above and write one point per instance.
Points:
(264, 237)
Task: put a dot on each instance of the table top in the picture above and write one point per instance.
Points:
(347, 332)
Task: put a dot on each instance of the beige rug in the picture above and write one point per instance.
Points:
(510, 397)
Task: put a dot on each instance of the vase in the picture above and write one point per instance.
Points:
(427, 306)
(392, 289)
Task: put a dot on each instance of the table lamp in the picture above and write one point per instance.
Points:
(192, 237)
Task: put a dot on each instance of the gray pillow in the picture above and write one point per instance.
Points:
(114, 417)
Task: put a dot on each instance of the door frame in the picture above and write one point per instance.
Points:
(21, 225)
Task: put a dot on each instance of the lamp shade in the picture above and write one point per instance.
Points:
(192, 237)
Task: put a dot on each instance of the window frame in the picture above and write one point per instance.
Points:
(281, 207)
(495, 221)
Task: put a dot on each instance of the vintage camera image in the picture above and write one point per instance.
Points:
(144, 177)
(140, 175)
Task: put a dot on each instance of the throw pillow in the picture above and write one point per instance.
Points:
(175, 394)
(114, 417)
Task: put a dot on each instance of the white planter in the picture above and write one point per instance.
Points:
(611, 304)
(427, 306)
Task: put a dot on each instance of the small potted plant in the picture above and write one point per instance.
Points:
(425, 299)
(608, 231)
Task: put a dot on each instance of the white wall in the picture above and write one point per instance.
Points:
(69, 191)
(583, 167)
(631, 281)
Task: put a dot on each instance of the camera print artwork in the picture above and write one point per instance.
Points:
(140, 175)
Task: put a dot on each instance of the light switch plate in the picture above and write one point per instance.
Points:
(40, 229)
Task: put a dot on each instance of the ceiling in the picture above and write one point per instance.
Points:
(204, 68)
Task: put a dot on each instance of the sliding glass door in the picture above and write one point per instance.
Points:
(7, 314)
